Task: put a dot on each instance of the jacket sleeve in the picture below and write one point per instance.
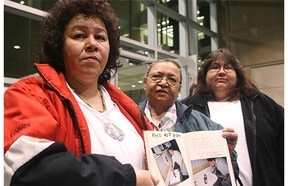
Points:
(33, 156)
(274, 118)
(56, 166)
(204, 123)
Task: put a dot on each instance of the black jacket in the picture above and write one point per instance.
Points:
(264, 128)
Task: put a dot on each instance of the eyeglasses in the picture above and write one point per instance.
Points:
(169, 79)
(215, 67)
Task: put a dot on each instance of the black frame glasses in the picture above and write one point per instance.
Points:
(215, 67)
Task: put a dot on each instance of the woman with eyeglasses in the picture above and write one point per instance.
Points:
(226, 95)
(162, 84)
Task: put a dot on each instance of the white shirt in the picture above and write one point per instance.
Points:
(229, 115)
(112, 134)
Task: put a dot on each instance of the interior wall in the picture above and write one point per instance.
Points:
(254, 32)
(270, 80)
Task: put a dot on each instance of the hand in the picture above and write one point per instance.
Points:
(231, 137)
(225, 177)
(144, 178)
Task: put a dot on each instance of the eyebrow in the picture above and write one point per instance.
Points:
(169, 74)
(225, 63)
(85, 27)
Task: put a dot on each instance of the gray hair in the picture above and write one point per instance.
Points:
(164, 60)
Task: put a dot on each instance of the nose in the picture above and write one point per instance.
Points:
(91, 44)
(221, 70)
(163, 82)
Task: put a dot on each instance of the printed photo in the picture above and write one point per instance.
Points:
(211, 172)
(170, 162)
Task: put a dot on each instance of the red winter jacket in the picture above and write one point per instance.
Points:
(46, 137)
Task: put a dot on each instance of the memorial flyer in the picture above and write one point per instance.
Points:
(197, 158)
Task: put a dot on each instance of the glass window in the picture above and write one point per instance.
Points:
(132, 16)
(130, 78)
(144, 51)
(168, 33)
(203, 19)
(172, 4)
(132, 19)
(44, 5)
(203, 14)
(21, 45)
(204, 45)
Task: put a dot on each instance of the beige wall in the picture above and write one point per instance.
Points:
(254, 32)
(270, 80)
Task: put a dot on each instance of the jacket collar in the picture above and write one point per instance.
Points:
(54, 80)
(180, 107)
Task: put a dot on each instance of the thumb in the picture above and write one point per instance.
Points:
(155, 180)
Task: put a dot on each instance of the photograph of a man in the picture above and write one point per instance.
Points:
(220, 169)
(178, 163)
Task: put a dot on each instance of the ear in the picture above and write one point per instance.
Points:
(145, 81)
(180, 86)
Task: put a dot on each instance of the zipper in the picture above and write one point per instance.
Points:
(254, 136)
(70, 109)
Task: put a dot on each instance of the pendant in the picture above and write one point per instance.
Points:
(113, 131)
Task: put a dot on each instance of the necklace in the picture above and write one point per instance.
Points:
(102, 100)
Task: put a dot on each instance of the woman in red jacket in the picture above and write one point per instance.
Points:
(70, 126)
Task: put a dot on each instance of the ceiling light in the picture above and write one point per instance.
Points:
(16, 47)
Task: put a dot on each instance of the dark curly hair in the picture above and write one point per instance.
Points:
(52, 32)
(244, 85)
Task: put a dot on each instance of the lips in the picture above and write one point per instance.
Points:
(221, 80)
(161, 91)
(91, 58)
